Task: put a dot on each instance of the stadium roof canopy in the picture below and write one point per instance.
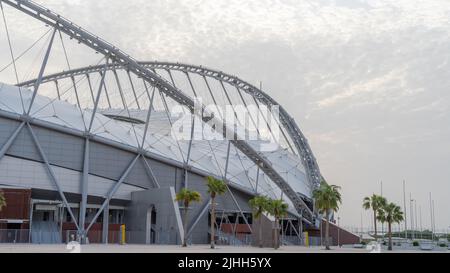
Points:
(128, 102)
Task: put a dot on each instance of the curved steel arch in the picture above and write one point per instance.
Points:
(124, 60)
(300, 141)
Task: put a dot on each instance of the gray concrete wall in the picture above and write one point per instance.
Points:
(267, 231)
(67, 151)
(167, 215)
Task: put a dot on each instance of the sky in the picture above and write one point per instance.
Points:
(367, 81)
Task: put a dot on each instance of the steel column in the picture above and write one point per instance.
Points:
(105, 225)
(84, 189)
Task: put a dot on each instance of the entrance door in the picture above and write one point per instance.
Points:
(44, 226)
(148, 226)
(13, 232)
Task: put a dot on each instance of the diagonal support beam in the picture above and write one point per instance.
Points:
(202, 212)
(134, 90)
(52, 175)
(150, 173)
(102, 82)
(91, 90)
(113, 190)
(10, 140)
(149, 113)
(75, 89)
(106, 91)
(229, 190)
(41, 71)
(57, 89)
(296, 232)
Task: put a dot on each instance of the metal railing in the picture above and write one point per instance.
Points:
(319, 241)
(132, 237)
(15, 236)
(241, 239)
(292, 240)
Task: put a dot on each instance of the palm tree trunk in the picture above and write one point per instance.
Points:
(213, 218)
(375, 224)
(276, 233)
(185, 226)
(390, 236)
(327, 229)
(260, 232)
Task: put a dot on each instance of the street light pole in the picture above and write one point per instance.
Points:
(431, 219)
(415, 216)
(361, 225)
(412, 216)
(404, 208)
(434, 219)
(382, 223)
(420, 218)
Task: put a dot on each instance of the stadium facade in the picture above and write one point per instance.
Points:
(87, 150)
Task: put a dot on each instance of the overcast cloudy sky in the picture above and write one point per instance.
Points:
(368, 81)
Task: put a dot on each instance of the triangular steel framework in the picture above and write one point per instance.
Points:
(120, 59)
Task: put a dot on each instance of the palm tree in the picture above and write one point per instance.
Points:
(215, 187)
(374, 202)
(327, 199)
(187, 196)
(390, 213)
(2, 200)
(259, 204)
(278, 209)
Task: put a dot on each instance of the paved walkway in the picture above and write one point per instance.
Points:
(99, 248)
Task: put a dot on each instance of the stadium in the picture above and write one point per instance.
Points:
(91, 153)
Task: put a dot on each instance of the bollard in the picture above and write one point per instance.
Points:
(305, 235)
(122, 233)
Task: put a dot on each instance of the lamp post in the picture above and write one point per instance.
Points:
(431, 219)
(411, 214)
(420, 218)
(381, 194)
(404, 208)
(415, 216)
